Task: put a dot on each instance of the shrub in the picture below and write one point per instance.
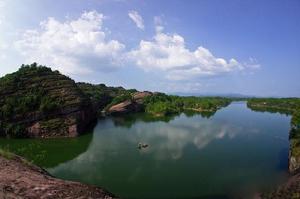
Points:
(48, 105)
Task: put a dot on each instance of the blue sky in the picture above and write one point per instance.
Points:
(196, 46)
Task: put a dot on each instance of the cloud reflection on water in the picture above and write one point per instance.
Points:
(167, 141)
(184, 152)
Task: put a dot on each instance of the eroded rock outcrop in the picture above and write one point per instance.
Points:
(128, 106)
(20, 179)
(138, 97)
(294, 163)
(38, 102)
(132, 105)
(294, 151)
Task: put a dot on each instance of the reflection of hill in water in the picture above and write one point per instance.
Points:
(236, 152)
(48, 153)
(129, 120)
(185, 151)
(205, 114)
(113, 157)
(269, 110)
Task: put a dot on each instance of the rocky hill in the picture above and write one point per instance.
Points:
(38, 102)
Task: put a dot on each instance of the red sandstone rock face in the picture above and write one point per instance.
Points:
(20, 179)
(73, 132)
(139, 96)
(134, 105)
(294, 163)
(70, 125)
(34, 130)
(124, 107)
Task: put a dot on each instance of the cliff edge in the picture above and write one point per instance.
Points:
(20, 179)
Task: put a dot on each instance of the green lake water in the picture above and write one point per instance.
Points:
(234, 153)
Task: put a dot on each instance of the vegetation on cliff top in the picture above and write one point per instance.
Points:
(104, 96)
(35, 93)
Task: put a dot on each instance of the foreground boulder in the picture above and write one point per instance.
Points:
(20, 179)
(38, 102)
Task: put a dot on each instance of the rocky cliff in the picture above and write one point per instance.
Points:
(294, 151)
(21, 179)
(128, 103)
(38, 102)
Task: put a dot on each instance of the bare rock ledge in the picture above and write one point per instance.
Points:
(22, 180)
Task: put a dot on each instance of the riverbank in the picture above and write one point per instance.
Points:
(289, 106)
(21, 179)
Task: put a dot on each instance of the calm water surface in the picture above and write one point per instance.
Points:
(232, 154)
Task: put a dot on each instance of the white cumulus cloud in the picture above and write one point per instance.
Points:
(73, 47)
(82, 46)
(168, 52)
(137, 19)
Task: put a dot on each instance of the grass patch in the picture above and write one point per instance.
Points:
(26, 162)
(6, 154)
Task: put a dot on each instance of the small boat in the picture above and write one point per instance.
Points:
(142, 145)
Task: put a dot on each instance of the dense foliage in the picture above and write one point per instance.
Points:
(23, 102)
(98, 91)
(34, 91)
(105, 96)
(282, 105)
(162, 104)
